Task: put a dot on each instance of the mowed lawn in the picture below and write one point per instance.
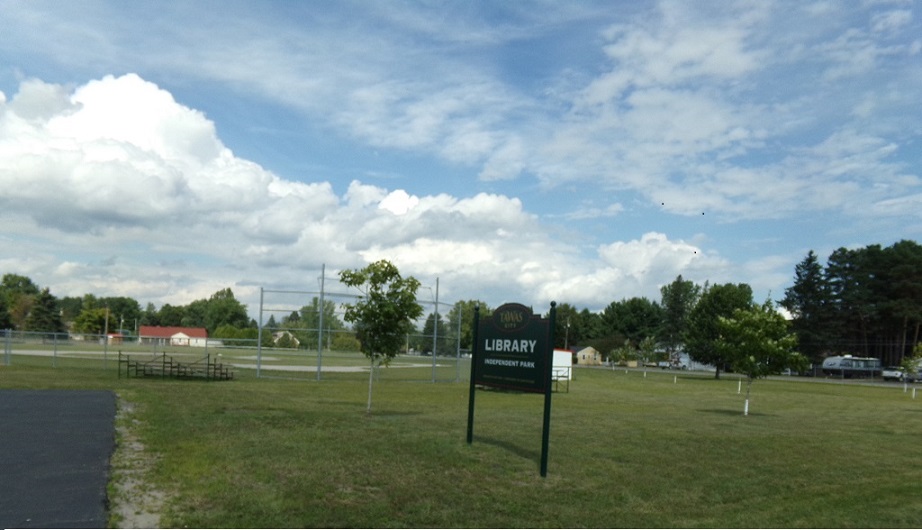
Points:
(625, 451)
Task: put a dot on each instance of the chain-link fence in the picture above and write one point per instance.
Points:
(303, 335)
(63, 350)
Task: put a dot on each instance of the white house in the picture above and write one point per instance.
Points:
(173, 336)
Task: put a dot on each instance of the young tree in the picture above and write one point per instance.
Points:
(384, 315)
(912, 364)
(757, 342)
(703, 322)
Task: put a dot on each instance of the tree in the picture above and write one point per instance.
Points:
(465, 311)
(170, 315)
(809, 301)
(757, 342)
(678, 299)
(45, 315)
(20, 293)
(384, 315)
(444, 346)
(17, 284)
(70, 307)
(568, 324)
(223, 309)
(150, 317)
(912, 364)
(123, 311)
(91, 321)
(307, 324)
(703, 322)
(634, 319)
(6, 322)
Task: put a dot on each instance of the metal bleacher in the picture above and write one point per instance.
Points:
(166, 367)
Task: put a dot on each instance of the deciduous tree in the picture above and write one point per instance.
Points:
(678, 299)
(704, 322)
(757, 342)
(385, 313)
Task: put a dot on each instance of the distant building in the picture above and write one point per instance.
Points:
(173, 336)
(589, 356)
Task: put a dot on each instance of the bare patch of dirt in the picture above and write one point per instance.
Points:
(133, 501)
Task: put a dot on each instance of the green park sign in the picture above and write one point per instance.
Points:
(513, 350)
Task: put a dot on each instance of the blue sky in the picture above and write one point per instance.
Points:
(582, 152)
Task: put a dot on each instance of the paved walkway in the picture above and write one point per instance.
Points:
(54, 457)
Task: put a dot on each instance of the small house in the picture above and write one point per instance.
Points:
(589, 356)
(173, 336)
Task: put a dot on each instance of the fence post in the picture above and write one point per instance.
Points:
(7, 351)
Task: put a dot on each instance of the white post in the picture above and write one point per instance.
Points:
(675, 379)
(746, 408)
(435, 329)
(259, 335)
(321, 307)
(913, 393)
(739, 389)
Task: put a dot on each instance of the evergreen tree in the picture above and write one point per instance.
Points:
(809, 302)
(45, 315)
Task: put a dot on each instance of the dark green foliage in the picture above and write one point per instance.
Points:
(444, 338)
(45, 315)
(635, 319)
(704, 322)
(384, 316)
(465, 310)
(6, 322)
(865, 302)
(678, 299)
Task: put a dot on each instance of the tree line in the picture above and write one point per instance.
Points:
(865, 301)
(25, 306)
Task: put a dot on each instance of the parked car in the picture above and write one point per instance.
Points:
(892, 373)
(673, 365)
(896, 373)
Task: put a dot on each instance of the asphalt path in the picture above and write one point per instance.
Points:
(55, 447)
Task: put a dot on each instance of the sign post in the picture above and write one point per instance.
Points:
(513, 350)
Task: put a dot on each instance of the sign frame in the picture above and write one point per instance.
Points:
(513, 350)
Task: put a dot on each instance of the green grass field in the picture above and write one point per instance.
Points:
(625, 451)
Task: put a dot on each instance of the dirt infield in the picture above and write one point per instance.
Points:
(55, 447)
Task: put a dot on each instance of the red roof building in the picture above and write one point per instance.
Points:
(173, 335)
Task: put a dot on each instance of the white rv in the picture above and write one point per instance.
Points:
(847, 366)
